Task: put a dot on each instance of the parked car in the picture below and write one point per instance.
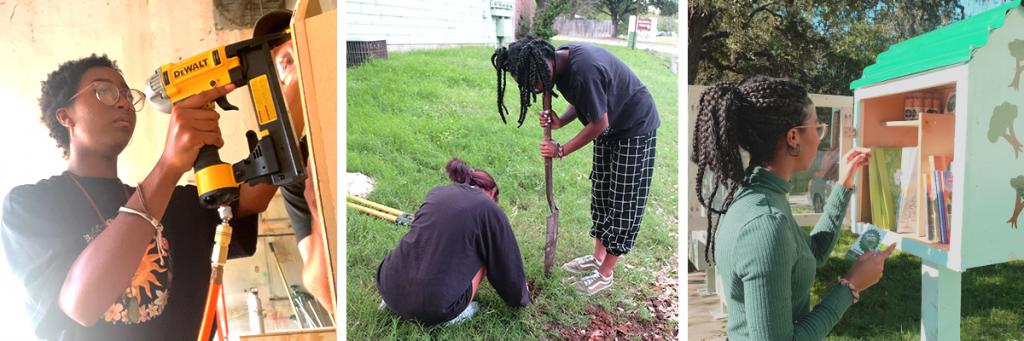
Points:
(820, 186)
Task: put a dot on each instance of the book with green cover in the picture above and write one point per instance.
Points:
(885, 166)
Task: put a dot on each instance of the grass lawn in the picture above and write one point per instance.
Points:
(407, 116)
(991, 306)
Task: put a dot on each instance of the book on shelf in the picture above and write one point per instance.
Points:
(929, 204)
(906, 221)
(884, 189)
(947, 194)
(940, 197)
(944, 193)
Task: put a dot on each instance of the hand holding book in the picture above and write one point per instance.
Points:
(853, 161)
(868, 268)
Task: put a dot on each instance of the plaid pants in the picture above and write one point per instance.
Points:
(621, 180)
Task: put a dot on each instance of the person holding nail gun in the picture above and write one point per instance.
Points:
(299, 198)
(97, 258)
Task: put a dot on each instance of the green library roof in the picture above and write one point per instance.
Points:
(951, 44)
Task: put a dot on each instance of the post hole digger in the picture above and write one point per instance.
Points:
(551, 237)
(380, 211)
(274, 153)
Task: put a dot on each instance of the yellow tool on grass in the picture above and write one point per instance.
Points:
(380, 211)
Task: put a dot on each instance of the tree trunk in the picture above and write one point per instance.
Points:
(698, 22)
(1015, 84)
(614, 13)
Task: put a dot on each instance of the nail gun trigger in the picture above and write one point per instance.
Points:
(224, 104)
(252, 139)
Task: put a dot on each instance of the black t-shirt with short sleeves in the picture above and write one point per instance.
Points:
(596, 82)
(45, 226)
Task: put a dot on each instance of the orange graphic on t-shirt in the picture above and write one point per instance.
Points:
(145, 274)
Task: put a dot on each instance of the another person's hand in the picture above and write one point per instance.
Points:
(867, 270)
(550, 117)
(549, 149)
(193, 124)
(853, 161)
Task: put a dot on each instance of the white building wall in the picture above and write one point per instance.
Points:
(412, 24)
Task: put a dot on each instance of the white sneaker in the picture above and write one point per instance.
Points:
(594, 283)
(582, 264)
(466, 314)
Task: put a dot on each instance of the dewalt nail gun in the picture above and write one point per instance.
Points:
(274, 156)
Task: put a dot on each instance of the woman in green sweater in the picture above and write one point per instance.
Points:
(767, 262)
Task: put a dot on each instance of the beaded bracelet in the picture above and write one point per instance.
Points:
(853, 289)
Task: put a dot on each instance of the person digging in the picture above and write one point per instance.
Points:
(619, 116)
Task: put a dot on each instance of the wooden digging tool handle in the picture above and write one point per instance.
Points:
(551, 239)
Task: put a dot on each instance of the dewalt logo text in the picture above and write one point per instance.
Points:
(191, 67)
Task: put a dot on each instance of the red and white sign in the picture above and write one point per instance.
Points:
(644, 24)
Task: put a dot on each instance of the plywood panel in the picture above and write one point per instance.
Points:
(316, 45)
(875, 112)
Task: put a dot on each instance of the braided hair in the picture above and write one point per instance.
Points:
(526, 59)
(755, 115)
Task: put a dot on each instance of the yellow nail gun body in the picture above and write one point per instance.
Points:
(274, 154)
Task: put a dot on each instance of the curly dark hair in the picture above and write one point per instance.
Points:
(58, 88)
(755, 115)
(526, 60)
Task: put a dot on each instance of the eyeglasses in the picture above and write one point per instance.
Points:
(107, 93)
(820, 128)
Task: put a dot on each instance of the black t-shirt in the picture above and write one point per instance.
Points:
(295, 202)
(428, 276)
(47, 225)
(596, 82)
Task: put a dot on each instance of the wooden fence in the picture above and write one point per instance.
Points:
(584, 28)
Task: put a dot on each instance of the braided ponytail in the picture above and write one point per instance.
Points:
(754, 115)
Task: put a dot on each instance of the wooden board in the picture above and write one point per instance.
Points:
(316, 39)
(294, 335)
(875, 113)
